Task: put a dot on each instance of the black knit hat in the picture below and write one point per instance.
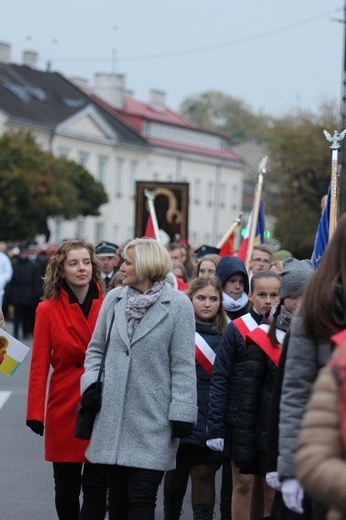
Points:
(230, 265)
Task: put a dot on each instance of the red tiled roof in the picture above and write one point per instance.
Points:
(227, 155)
(145, 111)
(135, 113)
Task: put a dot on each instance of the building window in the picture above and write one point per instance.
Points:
(63, 152)
(197, 191)
(130, 232)
(194, 237)
(119, 177)
(156, 176)
(223, 192)
(99, 230)
(116, 234)
(132, 180)
(234, 197)
(169, 177)
(210, 193)
(102, 170)
(80, 227)
(206, 238)
(83, 159)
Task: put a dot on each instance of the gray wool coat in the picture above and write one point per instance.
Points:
(147, 383)
(305, 358)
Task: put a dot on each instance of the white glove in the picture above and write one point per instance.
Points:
(292, 493)
(273, 480)
(215, 444)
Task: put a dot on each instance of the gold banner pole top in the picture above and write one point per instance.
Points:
(255, 209)
(333, 210)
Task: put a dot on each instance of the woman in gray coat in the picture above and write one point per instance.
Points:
(322, 314)
(149, 385)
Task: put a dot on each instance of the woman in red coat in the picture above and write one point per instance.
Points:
(65, 321)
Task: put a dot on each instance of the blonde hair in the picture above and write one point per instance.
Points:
(211, 257)
(151, 259)
(53, 278)
(276, 264)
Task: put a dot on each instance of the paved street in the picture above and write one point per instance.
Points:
(26, 480)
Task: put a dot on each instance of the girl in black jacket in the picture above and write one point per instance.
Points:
(263, 354)
(193, 457)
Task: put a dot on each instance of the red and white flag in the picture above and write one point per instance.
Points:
(259, 237)
(149, 228)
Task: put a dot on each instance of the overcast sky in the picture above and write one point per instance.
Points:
(275, 55)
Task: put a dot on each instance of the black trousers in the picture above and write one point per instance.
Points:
(69, 480)
(24, 315)
(132, 492)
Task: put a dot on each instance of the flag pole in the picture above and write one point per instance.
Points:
(333, 209)
(230, 231)
(255, 210)
(149, 195)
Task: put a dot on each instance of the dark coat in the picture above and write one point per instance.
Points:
(274, 414)
(198, 436)
(250, 435)
(226, 381)
(25, 285)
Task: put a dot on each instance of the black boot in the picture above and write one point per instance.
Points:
(203, 512)
(172, 509)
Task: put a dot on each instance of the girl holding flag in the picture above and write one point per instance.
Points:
(193, 457)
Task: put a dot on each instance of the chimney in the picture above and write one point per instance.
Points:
(5, 52)
(111, 88)
(30, 59)
(157, 100)
(128, 94)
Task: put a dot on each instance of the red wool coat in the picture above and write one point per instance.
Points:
(61, 337)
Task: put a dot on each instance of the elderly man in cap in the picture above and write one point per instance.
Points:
(110, 260)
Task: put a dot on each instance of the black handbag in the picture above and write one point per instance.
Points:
(86, 415)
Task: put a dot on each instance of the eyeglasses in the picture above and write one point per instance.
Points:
(261, 261)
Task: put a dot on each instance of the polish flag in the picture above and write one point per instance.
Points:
(227, 248)
(149, 228)
(259, 237)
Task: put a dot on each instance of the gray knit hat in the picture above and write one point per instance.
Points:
(294, 276)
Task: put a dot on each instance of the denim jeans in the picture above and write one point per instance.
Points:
(132, 492)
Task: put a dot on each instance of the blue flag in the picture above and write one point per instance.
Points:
(260, 225)
(322, 234)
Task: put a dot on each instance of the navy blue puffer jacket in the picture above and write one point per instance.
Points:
(198, 436)
(227, 377)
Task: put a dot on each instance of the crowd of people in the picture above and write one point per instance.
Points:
(209, 368)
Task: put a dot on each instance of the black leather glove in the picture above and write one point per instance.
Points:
(36, 426)
(91, 398)
(181, 429)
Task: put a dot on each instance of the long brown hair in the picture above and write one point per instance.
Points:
(220, 319)
(55, 268)
(319, 297)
